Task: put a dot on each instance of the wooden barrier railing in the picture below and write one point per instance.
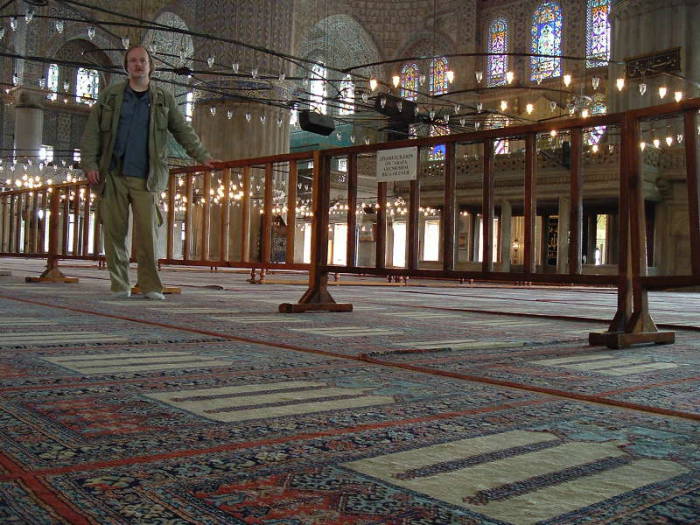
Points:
(229, 217)
(632, 323)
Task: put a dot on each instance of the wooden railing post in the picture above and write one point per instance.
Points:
(530, 204)
(206, 217)
(170, 229)
(690, 121)
(291, 211)
(351, 248)
(225, 216)
(487, 208)
(245, 216)
(189, 194)
(448, 219)
(267, 218)
(317, 296)
(576, 210)
(380, 238)
(52, 272)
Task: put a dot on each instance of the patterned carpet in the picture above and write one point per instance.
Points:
(425, 405)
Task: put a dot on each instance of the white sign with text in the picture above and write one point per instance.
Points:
(397, 164)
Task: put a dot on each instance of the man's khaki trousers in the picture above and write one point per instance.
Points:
(119, 193)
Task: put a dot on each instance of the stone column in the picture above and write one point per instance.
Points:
(29, 125)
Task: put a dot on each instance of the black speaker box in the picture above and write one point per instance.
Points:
(315, 122)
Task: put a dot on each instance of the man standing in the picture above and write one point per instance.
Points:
(124, 156)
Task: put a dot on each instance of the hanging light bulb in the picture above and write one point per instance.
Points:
(13, 23)
(42, 82)
(229, 115)
(509, 77)
(248, 116)
(210, 61)
(479, 107)
(396, 80)
(91, 32)
(235, 67)
(553, 133)
(263, 118)
(59, 26)
(679, 138)
(669, 140)
(431, 114)
(567, 80)
(254, 72)
(399, 106)
(662, 91)
(373, 83)
(421, 80)
(462, 121)
(642, 88)
(552, 106)
(29, 14)
(15, 79)
(477, 125)
(450, 76)
(446, 118)
(382, 101)
(504, 105)
(352, 139)
(620, 83)
(281, 77)
(479, 75)
(594, 148)
(125, 42)
(339, 135)
(585, 113)
(457, 108)
(2, 33)
(595, 82)
(657, 143)
(642, 145)
(530, 107)
(678, 96)
(367, 141)
(365, 96)
(66, 86)
(280, 120)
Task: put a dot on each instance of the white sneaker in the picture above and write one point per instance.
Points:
(154, 296)
(122, 294)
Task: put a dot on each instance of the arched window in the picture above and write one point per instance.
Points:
(597, 33)
(437, 152)
(52, 81)
(347, 96)
(87, 85)
(497, 65)
(438, 76)
(409, 81)
(546, 40)
(317, 87)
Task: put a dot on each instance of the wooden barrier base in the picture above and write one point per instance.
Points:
(63, 279)
(52, 275)
(625, 340)
(166, 290)
(289, 308)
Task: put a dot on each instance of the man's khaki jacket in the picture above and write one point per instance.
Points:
(101, 132)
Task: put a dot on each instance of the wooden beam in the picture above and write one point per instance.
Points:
(380, 238)
(487, 209)
(245, 216)
(267, 217)
(530, 203)
(413, 219)
(448, 219)
(291, 210)
(225, 216)
(351, 249)
(576, 211)
(189, 193)
(690, 123)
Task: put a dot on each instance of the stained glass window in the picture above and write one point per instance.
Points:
(317, 86)
(497, 43)
(597, 33)
(546, 40)
(438, 152)
(438, 76)
(52, 82)
(87, 85)
(409, 81)
(347, 96)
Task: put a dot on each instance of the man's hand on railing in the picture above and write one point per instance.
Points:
(93, 176)
(211, 163)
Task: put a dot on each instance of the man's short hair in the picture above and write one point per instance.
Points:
(151, 65)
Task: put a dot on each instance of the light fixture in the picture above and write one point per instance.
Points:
(585, 113)
(479, 107)
(669, 140)
(210, 61)
(679, 138)
(59, 26)
(642, 88)
(13, 23)
(504, 105)
(529, 108)
(2, 33)
(662, 91)
(678, 96)
(235, 67)
(656, 142)
(254, 72)
(229, 114)
(552, 106)
(567, 80)
(29, 14)
(396, 80)
(382, 101)
(594, 148)
(509, 77)
(595, 82)
(479, 75)
(620, 83)
(553, 133)
(91, 32)
(450, 76)
(457, 108)
(373, 83)
(125, 42)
